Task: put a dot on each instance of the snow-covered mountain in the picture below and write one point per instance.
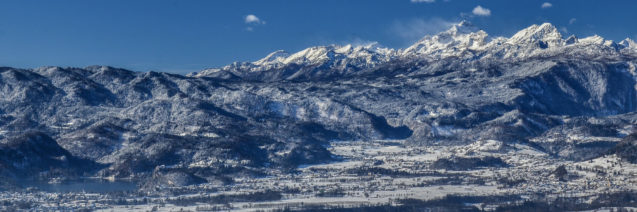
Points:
(568, 97)
(321, 61)
(462, 41)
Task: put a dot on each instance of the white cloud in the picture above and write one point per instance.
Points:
(547, 5)
(414, 29)
(423, 1)
(564, 30)
(572, 21)
(481, 11)
(253, 19)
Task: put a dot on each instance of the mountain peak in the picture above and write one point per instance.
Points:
(628, 43)
(595, 40)
(571, 40)
(459, 37)
(273, 57)
(464, 27)
(545, 35)
(547, 25)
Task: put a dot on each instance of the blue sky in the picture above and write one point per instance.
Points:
(182, 36)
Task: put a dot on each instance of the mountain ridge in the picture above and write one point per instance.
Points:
(272, 116)
(462, 40)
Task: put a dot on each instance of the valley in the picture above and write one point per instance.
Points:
(457, 121)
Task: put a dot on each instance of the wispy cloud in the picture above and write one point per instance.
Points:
(547, 5)
(253, 19)
(414, 29)
(572, 21)
(423, 1)
(481, 11)
(361, 42)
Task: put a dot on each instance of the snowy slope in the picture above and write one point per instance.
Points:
(564, 97)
